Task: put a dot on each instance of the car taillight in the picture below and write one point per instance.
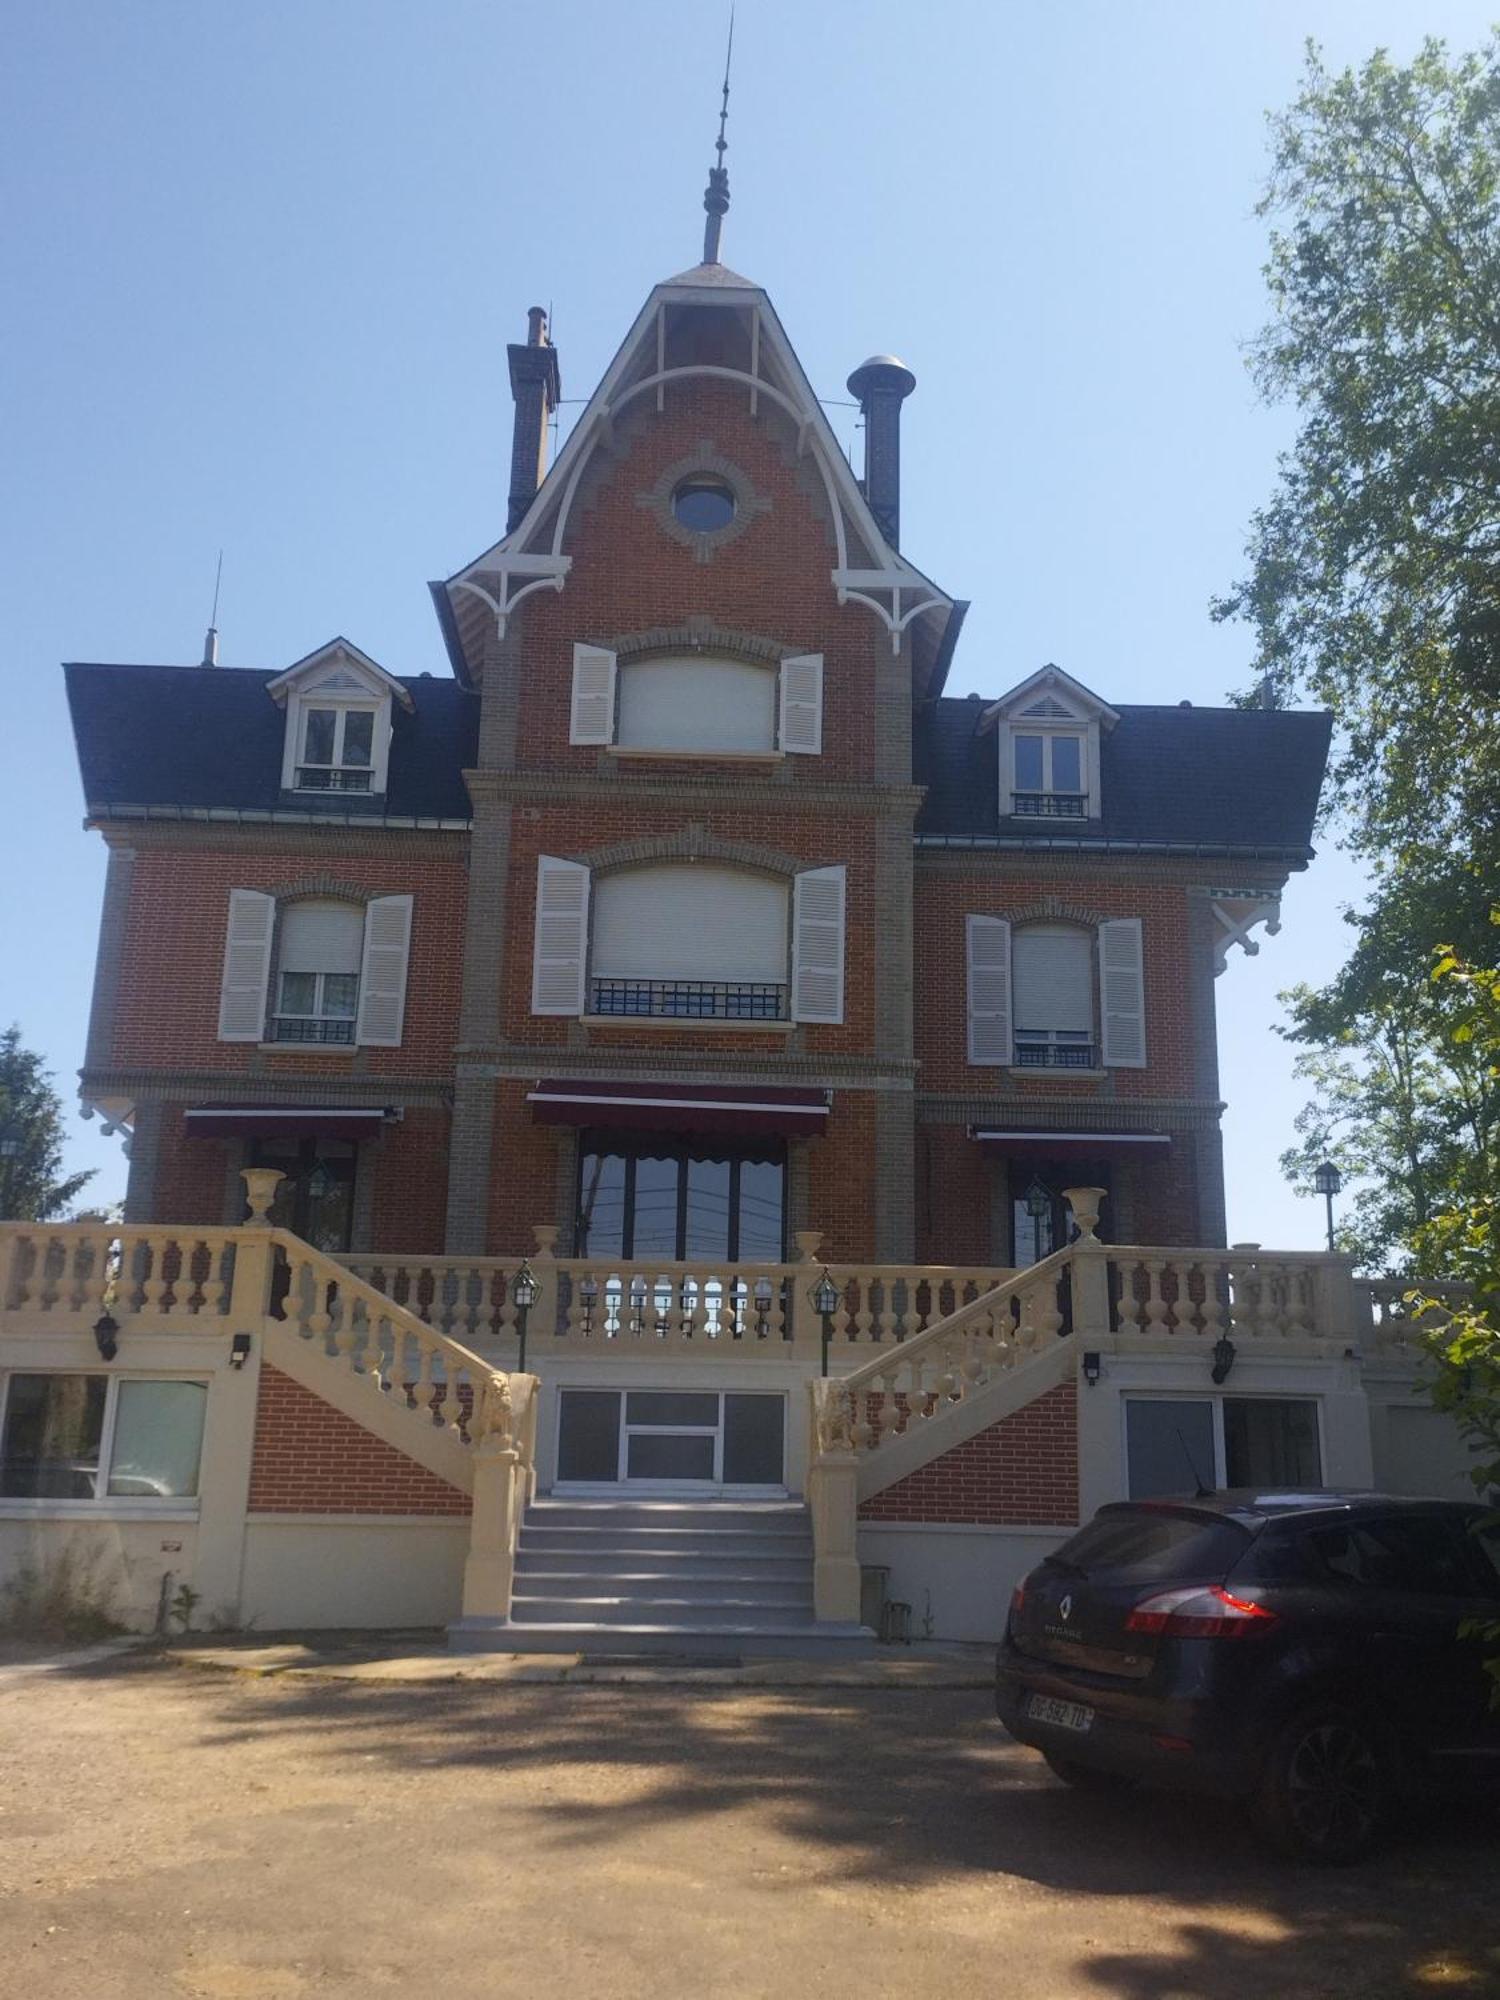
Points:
(1018, 1597)
(1200, 1612)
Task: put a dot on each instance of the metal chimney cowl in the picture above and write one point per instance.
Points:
(881, 385)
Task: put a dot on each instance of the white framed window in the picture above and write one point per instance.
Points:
(340, 971)
(1049, 773)
(697, 705)
(79, 1441)
(336, 752)
(1176, 1444)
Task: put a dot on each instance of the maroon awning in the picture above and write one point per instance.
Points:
(286, 1121)
(1026, 1143)
(751, 1108)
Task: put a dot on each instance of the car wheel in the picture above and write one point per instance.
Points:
(1085, 1777)
(1323, 1793)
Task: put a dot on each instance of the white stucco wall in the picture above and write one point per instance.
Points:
(961, 1577)
(368, 1571)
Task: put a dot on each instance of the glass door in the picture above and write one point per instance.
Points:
(315, 1200)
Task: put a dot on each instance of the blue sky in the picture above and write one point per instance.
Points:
(260, 265)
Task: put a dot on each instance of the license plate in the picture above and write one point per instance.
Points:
(1063, 1714)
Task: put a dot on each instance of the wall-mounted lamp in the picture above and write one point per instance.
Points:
(106, 1336)
(239, 1350)
(1093, 1366)
(1224, 1351)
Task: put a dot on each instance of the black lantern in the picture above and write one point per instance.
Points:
(523, 1291)
(825, 1303)
(765, 1291)
(1328, 1181)
(1224, 1352)
(1093, 1366)
(1038, 1201)
(588, 1299)
(107, 1336)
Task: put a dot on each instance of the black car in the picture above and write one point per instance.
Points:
(1300, 1651)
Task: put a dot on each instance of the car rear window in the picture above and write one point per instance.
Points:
(1426, 1554)
(1150, 1542)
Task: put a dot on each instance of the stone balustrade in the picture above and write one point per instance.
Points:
(1244, 1293)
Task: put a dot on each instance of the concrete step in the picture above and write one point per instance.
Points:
(738, 1612)
(612, 1563)
(723, 1544)
(683, 1641)
(563, 1580)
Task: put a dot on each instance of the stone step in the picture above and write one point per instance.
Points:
(633, 1609)
(687, 1641)
(555, 1579)
(769, 1516)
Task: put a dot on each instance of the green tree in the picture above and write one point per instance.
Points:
(1374, 579)
(31, 1138)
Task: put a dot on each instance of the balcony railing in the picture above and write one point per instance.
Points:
(330, 778)
(307, 1028)
(1055, 1055)
(688, 999)
(1050, 805)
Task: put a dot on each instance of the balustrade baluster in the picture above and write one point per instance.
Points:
(1155, 1302)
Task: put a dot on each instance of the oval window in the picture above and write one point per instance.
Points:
(704, 504)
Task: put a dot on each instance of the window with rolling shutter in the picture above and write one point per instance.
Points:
(1122, 994)
(1052, 987)
(697, 704)
(318, 953)
(988, 942)
(689, 940)
(818, 945)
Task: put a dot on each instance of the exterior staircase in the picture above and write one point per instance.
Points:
(707, 1579)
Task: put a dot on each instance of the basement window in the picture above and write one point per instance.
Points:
(92, 1438)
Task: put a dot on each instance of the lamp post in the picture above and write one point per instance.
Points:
(1328, 1181)
(825, 1303)
(523, 1291)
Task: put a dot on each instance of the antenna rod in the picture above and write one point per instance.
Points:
(211, 639)
(716, 195)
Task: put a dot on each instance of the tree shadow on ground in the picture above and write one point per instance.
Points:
(900, 1791)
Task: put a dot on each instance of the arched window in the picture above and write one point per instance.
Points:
(690, 940)
(1052, 978)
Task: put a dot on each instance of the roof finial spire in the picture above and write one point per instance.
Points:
(211, 639)
(716, 195)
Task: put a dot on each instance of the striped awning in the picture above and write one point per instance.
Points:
(760, 1110)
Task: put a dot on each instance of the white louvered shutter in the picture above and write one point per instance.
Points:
(818, 945)
(247, 966)
(1122, 994)
(989, 990)
(801, 698)
(382, 975)
(560, 952)
(592, 719)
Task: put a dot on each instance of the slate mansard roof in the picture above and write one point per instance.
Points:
(209, 739)
(1215, 781)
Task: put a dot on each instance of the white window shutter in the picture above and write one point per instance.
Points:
(801, 700)
(382, 974)
(818, 945)
(1122, 994)
(559, 959)
(247, 966)
(592, 719)
(989, 990)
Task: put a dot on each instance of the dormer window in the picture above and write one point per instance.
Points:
(1048, 732)
(338, 721)
(338, 750)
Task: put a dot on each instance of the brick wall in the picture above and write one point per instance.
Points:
(1020, 1472)
(311, 1459)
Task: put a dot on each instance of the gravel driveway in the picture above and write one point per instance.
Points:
(167, 1831)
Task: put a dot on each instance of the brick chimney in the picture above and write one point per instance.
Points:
(537, 387)
(881, 385)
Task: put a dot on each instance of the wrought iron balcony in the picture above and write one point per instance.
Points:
(1049, 805)
(331, 778)
(1055, 1055)
(308, 1028)
(688, 999)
